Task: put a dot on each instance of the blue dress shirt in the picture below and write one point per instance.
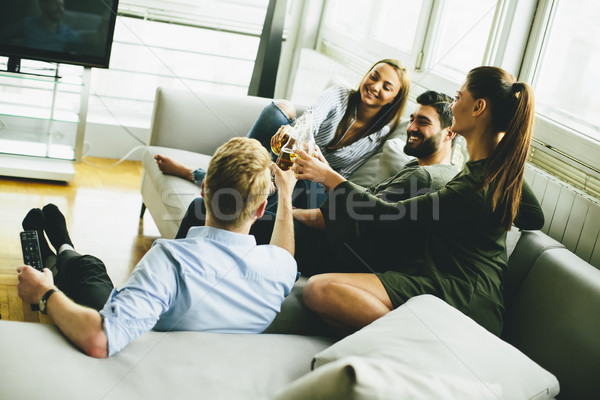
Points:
(213, 280)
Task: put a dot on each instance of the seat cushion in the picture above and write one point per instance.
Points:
(174, 365)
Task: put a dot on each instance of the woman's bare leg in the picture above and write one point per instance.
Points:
(347, 301)
(168, 166)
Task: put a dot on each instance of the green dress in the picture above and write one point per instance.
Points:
(464, 242)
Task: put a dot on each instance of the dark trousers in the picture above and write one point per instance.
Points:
(83, 278)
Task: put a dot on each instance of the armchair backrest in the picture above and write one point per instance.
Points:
(201, 122)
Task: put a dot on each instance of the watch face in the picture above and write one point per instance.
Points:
(42, 306)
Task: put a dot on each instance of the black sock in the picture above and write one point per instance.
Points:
(56, 226)
(34, 220)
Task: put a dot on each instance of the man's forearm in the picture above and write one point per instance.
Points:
(81, 325)
(283, 231)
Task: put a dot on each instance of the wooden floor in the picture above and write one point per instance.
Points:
(101, 206)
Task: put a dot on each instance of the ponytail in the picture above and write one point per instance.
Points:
(505, 168)
(512, 108)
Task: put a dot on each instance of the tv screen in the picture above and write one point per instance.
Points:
(76, 32)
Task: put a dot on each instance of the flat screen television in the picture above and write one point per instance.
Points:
(78, 32)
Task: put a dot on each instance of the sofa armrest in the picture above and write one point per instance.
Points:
(555, 320)
(201, 122)
(529, 248)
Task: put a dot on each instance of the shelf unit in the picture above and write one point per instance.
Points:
(42, 123)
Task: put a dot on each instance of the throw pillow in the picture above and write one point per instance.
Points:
(369, 378)
(437, 343)
(393, 159)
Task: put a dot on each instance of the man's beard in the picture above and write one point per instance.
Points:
(425, 148)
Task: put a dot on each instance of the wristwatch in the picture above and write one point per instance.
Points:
(44, 300)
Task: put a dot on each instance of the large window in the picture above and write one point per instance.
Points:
(440, 40)
(551, 44)
(148, 54)
(375, 28)
(195, 45)
(462, 35)
(397, 23)
(351, 16)
(567, 80)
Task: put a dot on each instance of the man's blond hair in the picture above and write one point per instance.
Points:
(237, 181)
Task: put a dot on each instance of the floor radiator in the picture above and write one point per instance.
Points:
(572, 217)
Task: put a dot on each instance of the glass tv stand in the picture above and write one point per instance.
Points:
(42, 122)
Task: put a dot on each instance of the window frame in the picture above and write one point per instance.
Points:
(549, 133)
(370, 48)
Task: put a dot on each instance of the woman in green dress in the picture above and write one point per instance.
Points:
(465, 222)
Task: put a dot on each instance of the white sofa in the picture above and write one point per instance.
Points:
(423, 350)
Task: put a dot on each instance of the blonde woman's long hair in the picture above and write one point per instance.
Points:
(389, 113)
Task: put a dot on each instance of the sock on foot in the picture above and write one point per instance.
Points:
(55, 226)
(34, 220)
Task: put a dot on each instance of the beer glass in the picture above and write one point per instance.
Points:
(286, 158)
(277, 148)
(306, 139)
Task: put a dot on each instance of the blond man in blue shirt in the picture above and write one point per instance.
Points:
(216, 279)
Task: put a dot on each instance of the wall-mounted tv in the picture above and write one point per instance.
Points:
(76, 32)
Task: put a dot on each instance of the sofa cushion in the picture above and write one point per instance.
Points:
(428, 339)
(173, 365)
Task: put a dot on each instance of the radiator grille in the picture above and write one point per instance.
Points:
(572, 216)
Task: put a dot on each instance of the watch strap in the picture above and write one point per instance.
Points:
(45, 298)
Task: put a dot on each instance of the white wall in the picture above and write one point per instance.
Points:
(112, 141)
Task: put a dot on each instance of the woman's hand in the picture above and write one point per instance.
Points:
(284, 129)
(319, 156)
(311, 168)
